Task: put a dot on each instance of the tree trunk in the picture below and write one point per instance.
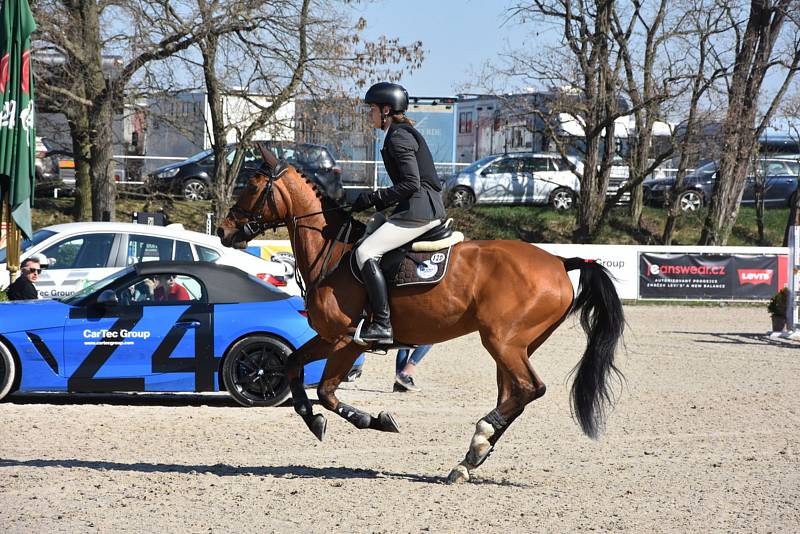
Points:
(753, 59)
(81, 153)
(637, 203)
(104, 188)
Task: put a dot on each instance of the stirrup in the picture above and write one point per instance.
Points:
(358, 340)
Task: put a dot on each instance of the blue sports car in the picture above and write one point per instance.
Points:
(159, 326)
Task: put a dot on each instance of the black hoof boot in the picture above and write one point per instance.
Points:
(317, 425)
(385, 423)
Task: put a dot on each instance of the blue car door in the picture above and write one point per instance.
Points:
(142, 343)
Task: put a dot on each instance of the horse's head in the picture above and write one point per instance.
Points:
(258, 208)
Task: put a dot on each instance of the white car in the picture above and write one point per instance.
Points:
(80, 254)
(515, 178)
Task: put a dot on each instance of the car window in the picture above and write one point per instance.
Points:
(148, 248)
(162, 289)
(776, 168)
(534, 164)
(794, 167)
(183, 251)
(206, 254)
(552, 165)
(88, 251)
(38, 237)
(502, 166)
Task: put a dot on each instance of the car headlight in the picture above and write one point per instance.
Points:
(169, 173)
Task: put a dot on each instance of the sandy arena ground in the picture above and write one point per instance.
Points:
(704, 439)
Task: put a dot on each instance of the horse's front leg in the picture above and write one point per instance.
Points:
(314, 349)
(335, 371)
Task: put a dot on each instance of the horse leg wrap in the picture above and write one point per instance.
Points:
(499, 424)
(355, 416)
(302, 406)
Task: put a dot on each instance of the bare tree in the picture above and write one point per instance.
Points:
(696, 45)
(756, 52)
(88, 80)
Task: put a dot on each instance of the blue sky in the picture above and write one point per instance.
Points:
(457, 35)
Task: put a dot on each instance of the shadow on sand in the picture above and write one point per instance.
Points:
(224, 470)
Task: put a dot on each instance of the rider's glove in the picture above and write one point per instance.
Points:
(362, 202)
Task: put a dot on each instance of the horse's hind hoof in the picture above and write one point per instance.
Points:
(318, 425)
(458, 475)
(386, 423)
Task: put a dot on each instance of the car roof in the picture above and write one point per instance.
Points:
(172, 230)
(224, 284)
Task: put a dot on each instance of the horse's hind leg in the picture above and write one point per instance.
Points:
(335, 371)
(518, 385)
(313, 350)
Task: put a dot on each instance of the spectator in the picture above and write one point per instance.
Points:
(405, 366)
(23, 288)
(169, 290)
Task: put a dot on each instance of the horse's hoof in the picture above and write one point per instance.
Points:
(387, 423)
(318, 425)
(458, 475)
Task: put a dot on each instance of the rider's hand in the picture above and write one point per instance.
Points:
(362, 202)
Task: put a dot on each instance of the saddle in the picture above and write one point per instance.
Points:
(421, 261)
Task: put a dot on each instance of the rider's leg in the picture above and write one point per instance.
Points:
(392, 234)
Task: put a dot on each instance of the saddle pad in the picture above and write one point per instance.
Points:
(415, 268)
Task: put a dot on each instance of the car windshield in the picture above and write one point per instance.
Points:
(708, 168)
(75, 298)
(38, 237)
(200, 155)
(478, 164)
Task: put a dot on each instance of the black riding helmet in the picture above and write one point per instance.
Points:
(388, 94)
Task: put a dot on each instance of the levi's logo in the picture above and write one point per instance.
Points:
(755, 276)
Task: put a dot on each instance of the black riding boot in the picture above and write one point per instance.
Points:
(380, 328)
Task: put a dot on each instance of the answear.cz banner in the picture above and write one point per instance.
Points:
(712, 276)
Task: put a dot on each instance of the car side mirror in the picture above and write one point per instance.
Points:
(108, 298)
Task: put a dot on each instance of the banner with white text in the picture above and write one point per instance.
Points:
(707, 276)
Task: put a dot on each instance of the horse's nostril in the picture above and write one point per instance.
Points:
(221, 232)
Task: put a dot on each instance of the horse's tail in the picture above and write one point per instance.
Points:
(603, 321)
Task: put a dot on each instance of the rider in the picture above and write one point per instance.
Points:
(416, 191)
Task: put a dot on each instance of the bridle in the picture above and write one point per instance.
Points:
(256, 224)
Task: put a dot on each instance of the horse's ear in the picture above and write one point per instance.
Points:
(270, 161)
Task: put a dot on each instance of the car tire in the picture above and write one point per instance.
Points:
(194, 189)
(462, 197)
(254, 372)
(690, 201)
(8, 371)
(562, 199)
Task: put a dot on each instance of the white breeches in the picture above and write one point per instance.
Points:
(390, 235)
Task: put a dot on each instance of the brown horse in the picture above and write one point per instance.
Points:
(513, 293)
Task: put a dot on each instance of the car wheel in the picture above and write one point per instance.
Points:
(562, 199)
(254, 372)
(690, 201)
(462, 197)
(8, 371)
(194, 189)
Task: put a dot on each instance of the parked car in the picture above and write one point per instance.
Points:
(79, 254)
(518, 178)
(191, 178)
(778, 176)
(229, 331)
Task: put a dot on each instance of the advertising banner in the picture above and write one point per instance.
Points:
(707, 276)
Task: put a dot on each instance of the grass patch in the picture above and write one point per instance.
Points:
(534, 224)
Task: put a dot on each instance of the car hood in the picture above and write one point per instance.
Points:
(28, 314)
(171, 166)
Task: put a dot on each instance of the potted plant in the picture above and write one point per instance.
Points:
(777, 309)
